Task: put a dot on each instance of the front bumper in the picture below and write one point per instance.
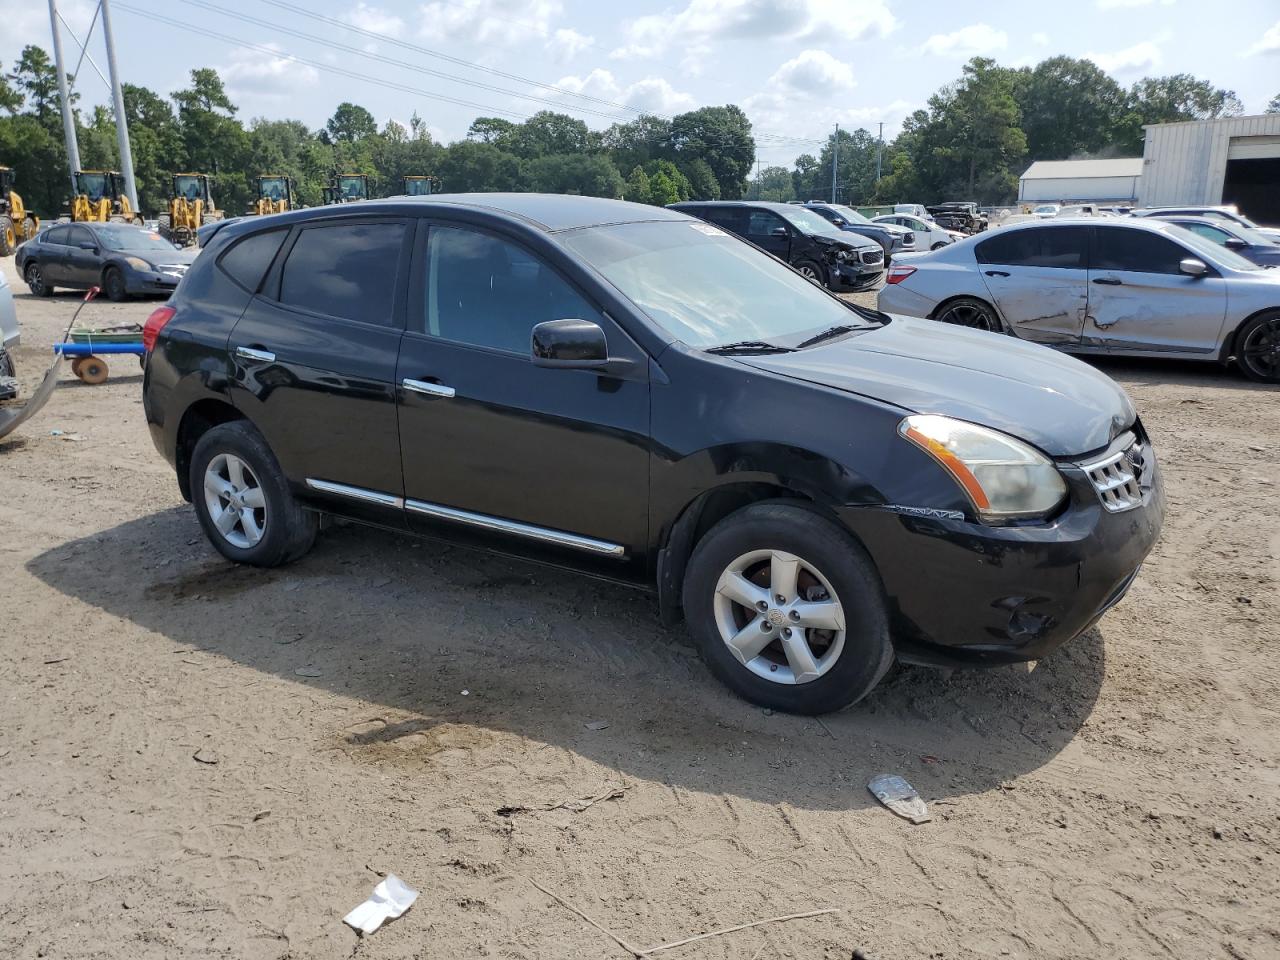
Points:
(136, 281)
(855, 275)
(963, 593)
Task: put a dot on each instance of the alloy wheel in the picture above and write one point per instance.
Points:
(970, 315)
(1261, 349)
(35, 279)
(235, 501)
(808, 272)
(779, 616)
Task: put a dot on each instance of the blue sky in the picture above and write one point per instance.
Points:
(796, 66)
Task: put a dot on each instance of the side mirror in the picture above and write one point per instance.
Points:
(1193, 267)
(573, 344)
(1235, 243)
(779, 232)
(86, 245)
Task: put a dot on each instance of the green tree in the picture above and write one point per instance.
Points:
(1182, 97)
(156, 142)
(10, 96)
(481, 167)
(666, 183)
(592, 175)
(703, 184)
(636, 143)
(495, 130)
(351, 123)
(774, 184)
(722, 137)
(1068, 107)
(36, 79)
(637, 188)
(213, 140)
(547, 132)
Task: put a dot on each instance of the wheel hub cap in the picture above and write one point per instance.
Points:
(235, 501)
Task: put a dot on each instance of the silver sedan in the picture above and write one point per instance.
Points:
(1137, 287)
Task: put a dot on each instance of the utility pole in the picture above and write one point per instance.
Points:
(117, 96)
(68, 118)
(880, 152)
(835, 161)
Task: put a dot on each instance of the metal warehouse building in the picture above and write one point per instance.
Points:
(1236, 160)
(1081, 181)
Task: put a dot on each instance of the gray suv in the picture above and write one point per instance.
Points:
(892, 238)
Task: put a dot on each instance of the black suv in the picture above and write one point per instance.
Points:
(816, 248)
(892, 237)
(631, 392)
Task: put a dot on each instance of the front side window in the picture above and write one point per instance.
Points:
(1208, 231)
(762, 223)
(707, 288)
(58, 235)
(345, 270)
(485, 291)
(1136, 251)
(80, 235)
(807, 221)
(1060, 247)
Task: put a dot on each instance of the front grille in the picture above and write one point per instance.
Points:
(872, 256)
(1118, 476)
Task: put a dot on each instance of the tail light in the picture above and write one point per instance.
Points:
(899, 273)
(155, 323)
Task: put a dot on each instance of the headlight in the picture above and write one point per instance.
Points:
(1003, 477)
(139, 264)
(842, 254)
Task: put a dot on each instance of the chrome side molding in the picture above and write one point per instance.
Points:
(528, 530)
(356, 493)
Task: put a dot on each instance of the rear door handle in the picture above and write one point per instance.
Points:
(252, 353)
(427, 388)
(1109, 281)
(996, 273)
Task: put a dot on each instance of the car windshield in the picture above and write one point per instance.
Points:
(1046, 208)
(808, 221)
(850, 215)
(1213, 251)
(710, 289)
(132, 238)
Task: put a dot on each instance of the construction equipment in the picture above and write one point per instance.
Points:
(419, 186)
(16, 224)
(347, 188)
(275, 195)
(191, 206)
(100, 198)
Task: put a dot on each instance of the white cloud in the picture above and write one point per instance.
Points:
(976, 40)
(23, 22)
(1140, 57)
(650, 95)
(374, 19)
(505, 22)
(702, 21)
(1114, 4)
(814, 71)
(1270, 42)
(1040, 39)
(566, 44)
(267, 75)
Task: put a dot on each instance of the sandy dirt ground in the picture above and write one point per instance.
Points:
(200, 760)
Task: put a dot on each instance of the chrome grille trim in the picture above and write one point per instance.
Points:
(1118, 475)
(872, 256)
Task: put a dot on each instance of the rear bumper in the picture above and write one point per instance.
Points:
(968, 594)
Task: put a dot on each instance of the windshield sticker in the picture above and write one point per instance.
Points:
(708, 229)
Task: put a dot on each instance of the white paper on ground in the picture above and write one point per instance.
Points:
(390, 899)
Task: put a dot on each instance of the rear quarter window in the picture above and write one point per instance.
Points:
(247, 261)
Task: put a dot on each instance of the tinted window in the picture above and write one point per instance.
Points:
(57, 235)
(485, 291)
(762, 223)
(1119, 248)
(731, 218)
(247, 262)
(348, 270)
(1207, 231)
(81, 235)
(1062, 247)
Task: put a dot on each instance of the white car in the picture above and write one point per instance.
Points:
(1046, 210)
(1131, 286)
(929, 236)
(913, 210)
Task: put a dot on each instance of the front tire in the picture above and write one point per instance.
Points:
(1258, 348)
(812, 271)
(243, 501)
(970, 312)
(36, 283)
(113, 285)
(787, 610)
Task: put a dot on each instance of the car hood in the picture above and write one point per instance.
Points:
(854, 242)
(1050, 400)
(161, 256)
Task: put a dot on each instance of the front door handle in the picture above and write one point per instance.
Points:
(252, 353)
(997, 273)
(427, 388)
(1109, 281)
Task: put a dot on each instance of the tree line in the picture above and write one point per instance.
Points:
(971, 142)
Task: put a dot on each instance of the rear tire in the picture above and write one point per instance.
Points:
(780, 655)
(938, 246)
(1258, 348)
(970, 312)
(36, 283)
(257, 521)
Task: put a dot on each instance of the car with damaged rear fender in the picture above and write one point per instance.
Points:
(818, 250)
(1131, 286)
(630, 392)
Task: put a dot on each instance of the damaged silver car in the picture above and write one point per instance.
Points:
(1134, 287)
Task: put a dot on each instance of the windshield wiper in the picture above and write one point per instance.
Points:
(827, 334)
(749, 346)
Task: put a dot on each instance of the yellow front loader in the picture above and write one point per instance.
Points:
(275, 195)
(16, 223)
(419, 186)
(191, 206)
(100, 198)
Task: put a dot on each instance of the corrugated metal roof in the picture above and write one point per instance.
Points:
(1071, 169)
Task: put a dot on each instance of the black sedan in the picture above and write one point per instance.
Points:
(122, 259)
(631, 392)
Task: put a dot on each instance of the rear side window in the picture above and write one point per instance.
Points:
(731, 218)
(1138, 251)
(246, 263)
(1061, 247)
(347, 270)
(57, 235)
